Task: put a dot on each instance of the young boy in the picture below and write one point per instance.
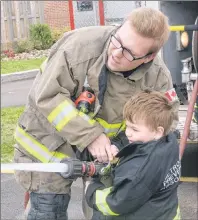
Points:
(146, 177)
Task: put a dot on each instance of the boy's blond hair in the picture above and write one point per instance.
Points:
(151, 107)
(150, 23)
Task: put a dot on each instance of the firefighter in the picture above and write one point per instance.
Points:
(146, 177)
(117, 63)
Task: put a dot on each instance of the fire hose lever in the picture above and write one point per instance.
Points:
(77, 168)
(85, 102)
(74, 168)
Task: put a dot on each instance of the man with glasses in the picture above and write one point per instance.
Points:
(125, 52)
(117, 62)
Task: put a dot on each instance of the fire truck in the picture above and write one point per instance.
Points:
(181, 57)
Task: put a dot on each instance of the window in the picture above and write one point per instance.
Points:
(84, 5)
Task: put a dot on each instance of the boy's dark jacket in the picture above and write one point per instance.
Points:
(145, 183)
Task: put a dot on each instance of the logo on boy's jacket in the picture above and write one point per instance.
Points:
(173, 175)
(171, 95)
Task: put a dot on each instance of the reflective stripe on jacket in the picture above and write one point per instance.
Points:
(102, 205)
(36, 149)
(111, 129)
(178, 215)
(64, 113)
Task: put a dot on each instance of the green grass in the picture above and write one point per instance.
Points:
(9, 118)
(20, 65)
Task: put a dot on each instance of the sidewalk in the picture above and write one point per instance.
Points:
(10, 77)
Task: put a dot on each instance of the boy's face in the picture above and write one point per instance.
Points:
(138, 131)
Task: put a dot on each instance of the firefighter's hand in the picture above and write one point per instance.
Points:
(101, 149)
(114, 150)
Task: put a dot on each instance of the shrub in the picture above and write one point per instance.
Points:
(41, 36)
(9, 53)
(58, 33)
(24, 46)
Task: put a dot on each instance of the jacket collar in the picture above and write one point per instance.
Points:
(130, 148)
(140, 72)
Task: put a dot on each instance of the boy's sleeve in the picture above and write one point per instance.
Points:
(91, 189)
(126, 195)
(120, 140)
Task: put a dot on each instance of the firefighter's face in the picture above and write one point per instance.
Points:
(125, 45)
(138, 131)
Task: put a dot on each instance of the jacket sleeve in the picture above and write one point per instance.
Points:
(127, 194)
(53, 93)
(120, 140)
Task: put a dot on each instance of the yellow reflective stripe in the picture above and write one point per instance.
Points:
(123, 127)
(65, 112)
(178, 216)
(59, 155)
(101, 203)
(87, 118)
(62, 114)
(107, 125)
(56, 111)
(111, 129)
(177, 28)
(31, 151)
(111, 134)
(66, 119)
(37, 149)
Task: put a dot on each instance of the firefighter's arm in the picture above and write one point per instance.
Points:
(127, 195)
(53, 94)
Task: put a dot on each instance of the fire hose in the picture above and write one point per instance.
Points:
(69, 168)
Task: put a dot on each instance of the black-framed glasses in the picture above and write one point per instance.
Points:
(125, 52)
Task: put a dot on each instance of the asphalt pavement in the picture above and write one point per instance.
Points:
(15, 93)
(12, 200)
